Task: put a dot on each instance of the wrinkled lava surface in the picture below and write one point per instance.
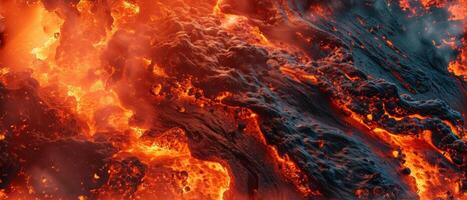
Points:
(233, 99)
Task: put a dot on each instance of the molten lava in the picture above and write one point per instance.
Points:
(232, 99)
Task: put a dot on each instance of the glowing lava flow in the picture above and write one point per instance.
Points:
(459, 67)
(64, 52)
(457, 12)
(430, 180)
(238, 25)
(186, 99)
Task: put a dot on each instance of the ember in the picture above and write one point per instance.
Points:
(233, 99)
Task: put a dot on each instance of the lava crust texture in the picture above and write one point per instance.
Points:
(233, 99)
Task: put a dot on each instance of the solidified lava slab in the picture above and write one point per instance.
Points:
(232, 99)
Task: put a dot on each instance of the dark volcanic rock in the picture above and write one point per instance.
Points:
(68, 168)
